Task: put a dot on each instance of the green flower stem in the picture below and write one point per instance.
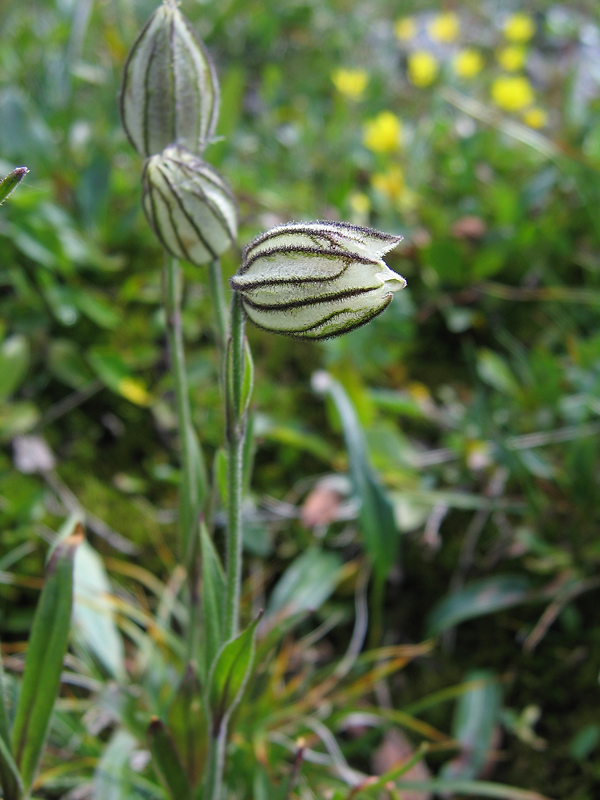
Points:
(216, 764)
(235, 447)
(218, 295)
(193, 478)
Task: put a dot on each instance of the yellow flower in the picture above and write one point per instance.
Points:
(422, 68)
(444, 27)
(512, 93)
(512, 58)
(519, 28)
(535, 117)
(134, 390)
(382, 134)
(390, 183)
(359, 203)
(405, 28)
(467, 63)
(350, 82)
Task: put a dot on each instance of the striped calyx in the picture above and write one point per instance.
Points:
(316, 280)
(188, 205)
(169, 90)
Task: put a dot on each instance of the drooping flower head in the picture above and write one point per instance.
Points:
(316, 280)
(188, 205)
(169, 90)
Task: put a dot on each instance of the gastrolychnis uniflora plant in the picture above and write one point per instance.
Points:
(311, 280)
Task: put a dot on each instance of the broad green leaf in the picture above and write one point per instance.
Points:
(213, 600)
(475, 718)
(494, 371)
(306, 583)
(230, 673)
(17, 418)
(45, 653)
(476, 599)
(381, 535)
(94, 617)
(167, 762)
(67, 364)
(14, 360)
(110, 368)
(113, 777)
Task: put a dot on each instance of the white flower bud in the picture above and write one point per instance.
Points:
(169, 91)
(316, 280)
(188, 205)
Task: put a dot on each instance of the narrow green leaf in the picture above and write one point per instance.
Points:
(476, 599)
(45, 653)
(230, 673)
(10, 779)
(475, 719)
(213, 600)
(10, 183)
(187, 724)
(167, 762)
(93, 616)
(247, 379)
(473, 788)
(381, 536)
(14, 360)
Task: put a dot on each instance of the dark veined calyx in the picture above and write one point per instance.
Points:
(188, 205)
(169, 90)
(316, 280)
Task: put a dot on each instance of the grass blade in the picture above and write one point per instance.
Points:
(46, 650)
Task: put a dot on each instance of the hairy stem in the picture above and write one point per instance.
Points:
(235, 447)
(193, 478)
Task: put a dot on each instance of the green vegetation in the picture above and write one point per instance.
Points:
(420, 496)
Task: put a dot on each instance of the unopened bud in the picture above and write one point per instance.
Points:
(10, 183)
(316, 280)
(169, 91)
(188, 205)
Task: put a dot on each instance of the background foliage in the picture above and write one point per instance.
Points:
(477, 391)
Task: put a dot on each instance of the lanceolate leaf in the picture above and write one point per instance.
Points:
(229, 674)
(45, 653)
(10, 779)
(167, 762)
(475, 718)
(376, 512)
(477, 598)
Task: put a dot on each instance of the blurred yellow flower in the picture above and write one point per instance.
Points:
(350, 82)
(134, 390)
(519, 28)
(512, 93)
(535, 117)
(359, 203)
(512, 58)
(467, 63)
(389, 183)
(444, 27)
(422, 68)
(405, 28)
(383, 133)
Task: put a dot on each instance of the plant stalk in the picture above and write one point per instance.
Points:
(193, 478)
(236, 418)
